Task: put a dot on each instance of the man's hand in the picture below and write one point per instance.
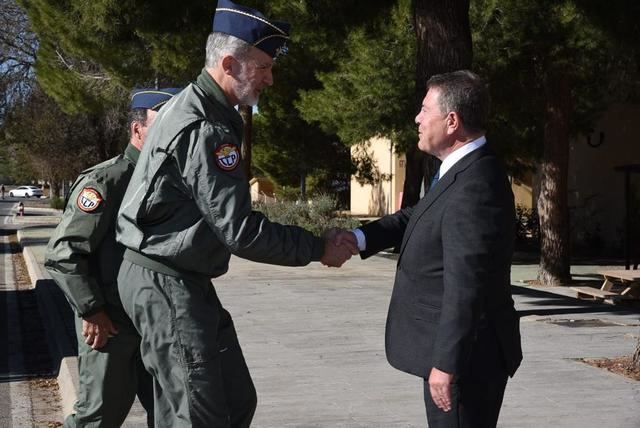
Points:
(343, 237)
(440, 388)
(339, 246)
(97, 329)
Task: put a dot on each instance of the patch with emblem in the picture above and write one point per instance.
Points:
(227, 157)
(89, 200)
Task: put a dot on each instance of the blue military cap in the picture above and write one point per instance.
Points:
(252, 27)
(152, 99)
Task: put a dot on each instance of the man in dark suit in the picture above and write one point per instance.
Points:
(451, 317)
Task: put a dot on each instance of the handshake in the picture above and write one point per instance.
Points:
(339, 246)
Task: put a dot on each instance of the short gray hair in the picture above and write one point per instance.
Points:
(465, 93)
(221, 44)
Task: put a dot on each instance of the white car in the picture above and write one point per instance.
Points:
(25, 192)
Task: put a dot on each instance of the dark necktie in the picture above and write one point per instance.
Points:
(434, 180)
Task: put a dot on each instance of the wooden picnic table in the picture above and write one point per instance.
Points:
(618, 284)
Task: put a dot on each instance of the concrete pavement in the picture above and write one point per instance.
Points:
(313, 338)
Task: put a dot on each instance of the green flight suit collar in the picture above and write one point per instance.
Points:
(213, 90)
(132, 153)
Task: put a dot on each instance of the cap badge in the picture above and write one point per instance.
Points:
(282, 50)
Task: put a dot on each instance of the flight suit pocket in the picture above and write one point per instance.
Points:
(195, 319)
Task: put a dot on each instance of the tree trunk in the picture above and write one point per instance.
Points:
(444, 44)
(247, 117)
(553, 210)
(303, 187)
(54, 189)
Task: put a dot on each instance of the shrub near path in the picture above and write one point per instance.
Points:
(317, 215)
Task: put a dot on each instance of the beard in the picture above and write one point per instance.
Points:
(245, 92)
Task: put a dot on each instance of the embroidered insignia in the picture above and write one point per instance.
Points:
(227, 157)
(282, 50)
(89, 200)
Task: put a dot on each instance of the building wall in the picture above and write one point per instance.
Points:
(596, 190)
(261, 189)
(385, 196)
(523, 190)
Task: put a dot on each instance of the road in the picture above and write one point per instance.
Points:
(28, 394)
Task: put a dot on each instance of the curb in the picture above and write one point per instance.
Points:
(58, 322)
(36, 216)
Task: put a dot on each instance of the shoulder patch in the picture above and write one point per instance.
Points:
(227, 156)
(89, 199)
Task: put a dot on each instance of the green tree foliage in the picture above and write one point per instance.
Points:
(105, 43)
(370, 92)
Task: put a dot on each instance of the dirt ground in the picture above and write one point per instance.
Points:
(23, 281)
(620, 365)
(45, 401)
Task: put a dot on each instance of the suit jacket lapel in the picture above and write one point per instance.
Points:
(440, 188)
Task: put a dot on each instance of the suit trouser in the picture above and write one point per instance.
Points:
(190, 347)
(110, 377)
(474, 404)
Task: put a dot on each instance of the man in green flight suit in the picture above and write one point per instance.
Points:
(83, 257)
(186, 210)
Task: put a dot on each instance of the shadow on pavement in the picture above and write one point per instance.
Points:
(24, 351)
(562, 305)
(37, 332)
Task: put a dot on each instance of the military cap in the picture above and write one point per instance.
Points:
(251, 26)
(152, 99)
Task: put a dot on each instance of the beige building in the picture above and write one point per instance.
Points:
(596, 188)
(261, 189)
(386, 195)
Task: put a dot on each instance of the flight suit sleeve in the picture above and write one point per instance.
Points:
(83, 226)
(221, 192)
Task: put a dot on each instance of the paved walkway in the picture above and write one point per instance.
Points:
(313, 338)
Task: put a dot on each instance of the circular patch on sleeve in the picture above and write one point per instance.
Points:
(89, 199)
(227, 157)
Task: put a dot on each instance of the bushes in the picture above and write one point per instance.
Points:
(57, 203)
(527, 228)
(317, 215)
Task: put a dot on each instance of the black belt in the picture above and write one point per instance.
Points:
(160, 267)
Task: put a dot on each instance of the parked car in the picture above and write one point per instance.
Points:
(25, 192)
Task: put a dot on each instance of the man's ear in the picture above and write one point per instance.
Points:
(135, 130)
(228, 64)
(453, 122)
